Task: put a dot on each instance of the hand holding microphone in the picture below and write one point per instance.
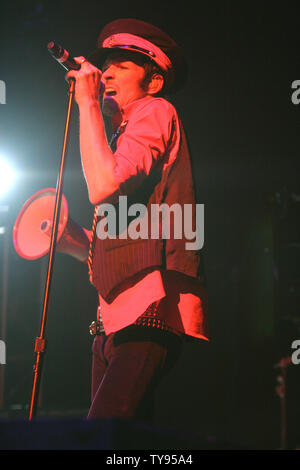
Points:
(87, 76)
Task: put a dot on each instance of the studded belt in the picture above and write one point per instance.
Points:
(150, 318)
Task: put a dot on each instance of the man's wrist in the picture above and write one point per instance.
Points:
(87, 102)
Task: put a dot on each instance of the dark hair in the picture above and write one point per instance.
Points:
(151, 69)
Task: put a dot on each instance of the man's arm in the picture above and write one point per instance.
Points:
(98, 161)
(149, 133)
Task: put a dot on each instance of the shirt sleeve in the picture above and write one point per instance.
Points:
(144, 144)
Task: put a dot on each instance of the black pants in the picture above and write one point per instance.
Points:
(127, 367)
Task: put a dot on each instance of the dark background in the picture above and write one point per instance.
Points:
(244, 134)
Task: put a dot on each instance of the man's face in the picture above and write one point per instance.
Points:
(123, 80)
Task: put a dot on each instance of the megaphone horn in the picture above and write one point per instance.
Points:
(33, 227)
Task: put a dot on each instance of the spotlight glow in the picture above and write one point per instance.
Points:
(7, 176)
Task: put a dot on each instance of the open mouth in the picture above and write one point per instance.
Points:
(110, 92)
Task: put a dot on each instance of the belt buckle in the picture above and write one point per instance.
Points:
(95, 328)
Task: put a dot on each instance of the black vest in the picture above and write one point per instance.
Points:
(118, 260)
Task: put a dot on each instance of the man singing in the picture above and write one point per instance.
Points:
(151, 294)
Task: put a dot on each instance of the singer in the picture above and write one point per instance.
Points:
(151, 291)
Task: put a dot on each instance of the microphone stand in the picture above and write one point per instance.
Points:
(40, 341)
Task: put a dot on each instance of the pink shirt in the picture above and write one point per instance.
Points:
(152, 129)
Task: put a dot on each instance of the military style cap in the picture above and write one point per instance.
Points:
(144, 38)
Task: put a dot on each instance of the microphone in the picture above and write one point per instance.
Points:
(65, 60)
(62, 56)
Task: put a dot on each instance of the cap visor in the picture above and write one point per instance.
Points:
(97, 57)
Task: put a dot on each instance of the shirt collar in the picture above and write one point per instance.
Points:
(128, 108)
